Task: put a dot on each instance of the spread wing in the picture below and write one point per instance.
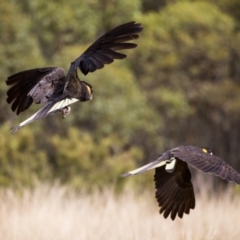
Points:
(103, 50)
(163, 160)
(174, 191)
(206, 162)
(34, 85)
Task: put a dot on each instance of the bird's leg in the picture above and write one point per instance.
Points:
(65, 111)
(170, 165)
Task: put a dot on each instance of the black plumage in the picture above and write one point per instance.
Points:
(174, 189)
(55, 90)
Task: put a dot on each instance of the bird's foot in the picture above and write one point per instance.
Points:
(65, 111)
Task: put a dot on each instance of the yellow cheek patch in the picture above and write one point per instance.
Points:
(89, 89)
(204, 150)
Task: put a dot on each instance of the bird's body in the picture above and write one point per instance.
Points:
(174, 189)
(54, 89)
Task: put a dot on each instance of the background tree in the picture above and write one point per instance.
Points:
(179, 86)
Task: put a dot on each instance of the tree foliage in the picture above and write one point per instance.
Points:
(179, 86)
(187, 73)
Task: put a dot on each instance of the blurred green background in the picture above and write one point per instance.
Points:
(181, 85)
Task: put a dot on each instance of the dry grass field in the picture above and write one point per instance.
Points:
(53, 213)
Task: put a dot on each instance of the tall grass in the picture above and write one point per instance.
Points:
(54, 213)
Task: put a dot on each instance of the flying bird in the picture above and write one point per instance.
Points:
(56, 90)
(174, 189)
